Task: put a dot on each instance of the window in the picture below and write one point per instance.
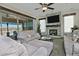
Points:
(20, 27)
(10, 23)
(29, 24)
(4, 28)
(12, 27)
(68, 23)
(43, 25)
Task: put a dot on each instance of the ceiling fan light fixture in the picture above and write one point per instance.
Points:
(44, 8)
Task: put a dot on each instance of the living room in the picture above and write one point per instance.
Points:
(13, 17)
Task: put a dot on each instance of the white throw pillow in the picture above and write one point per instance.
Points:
(28, 36)
(24, 36)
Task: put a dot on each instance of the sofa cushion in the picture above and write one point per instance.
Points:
(31, 49)
(76, 48)
(33, 40)
(42, 51)
(68, 43)
(9, 47)
(28, 35)
(39, 43)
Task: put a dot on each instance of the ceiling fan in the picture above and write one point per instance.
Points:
(45, 6)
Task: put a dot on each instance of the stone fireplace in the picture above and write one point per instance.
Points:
(54, 28)
(54, 31)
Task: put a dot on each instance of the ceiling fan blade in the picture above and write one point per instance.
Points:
(37, 8)
(41, 4)
(50, 4)
(50, 8)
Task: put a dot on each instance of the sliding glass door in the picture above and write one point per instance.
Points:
(12, 27)
(12, 22)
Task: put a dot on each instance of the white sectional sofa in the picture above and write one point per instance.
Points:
(68, 45)
(32, 38)
(9, 47)
(71, 44)
(76, 42)
(28, 44)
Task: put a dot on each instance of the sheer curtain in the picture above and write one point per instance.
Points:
(68, 23)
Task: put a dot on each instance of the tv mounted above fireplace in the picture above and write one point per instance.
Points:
(53, 19)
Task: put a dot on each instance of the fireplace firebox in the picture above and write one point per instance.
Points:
(53, 32)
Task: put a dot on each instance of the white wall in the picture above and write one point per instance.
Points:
(35, 25)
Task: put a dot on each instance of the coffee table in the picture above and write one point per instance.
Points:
(46, 38)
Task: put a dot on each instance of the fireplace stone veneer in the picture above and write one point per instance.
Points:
(54, 31)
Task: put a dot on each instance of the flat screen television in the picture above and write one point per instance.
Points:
(53, 19)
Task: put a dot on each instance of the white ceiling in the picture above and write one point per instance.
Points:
(30, 8)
